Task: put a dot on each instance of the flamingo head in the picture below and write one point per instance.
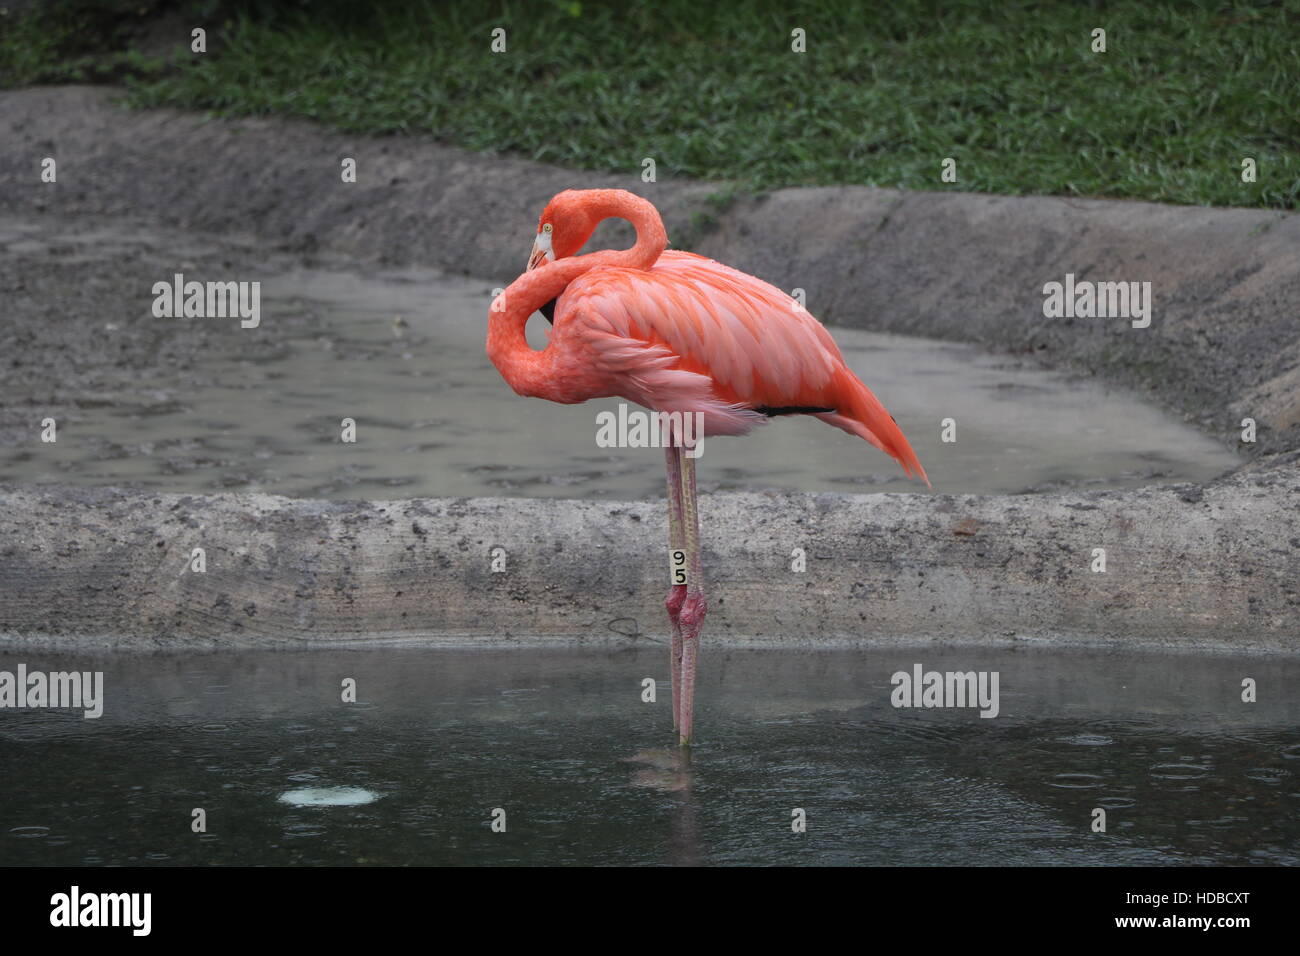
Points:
(565, 225)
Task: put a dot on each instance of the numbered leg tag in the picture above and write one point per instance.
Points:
(677, 564)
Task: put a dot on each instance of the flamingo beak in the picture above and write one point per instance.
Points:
(536, 257)
(542, 251)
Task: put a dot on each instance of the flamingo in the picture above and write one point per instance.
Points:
(674, 332)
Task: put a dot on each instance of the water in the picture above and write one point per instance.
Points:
(561, 741)
(402, 353)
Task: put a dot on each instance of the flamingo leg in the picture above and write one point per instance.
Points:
(677, 592)
(691, 616)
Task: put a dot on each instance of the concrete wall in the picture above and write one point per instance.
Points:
(1184, 567)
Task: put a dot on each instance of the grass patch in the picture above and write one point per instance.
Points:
(75, 41)
(1008, 88)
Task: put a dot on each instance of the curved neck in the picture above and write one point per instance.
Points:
(651, 238)
(507, 345)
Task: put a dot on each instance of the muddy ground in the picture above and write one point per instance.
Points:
(1212, 566)
(76, 335)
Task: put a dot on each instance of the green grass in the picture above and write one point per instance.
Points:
(73, 42)
(1008, 88)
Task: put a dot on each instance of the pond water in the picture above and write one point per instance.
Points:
(562, 742)
(402, 353)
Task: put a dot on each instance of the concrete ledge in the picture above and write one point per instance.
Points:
(1185, 567)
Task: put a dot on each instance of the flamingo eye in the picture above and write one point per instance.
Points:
(546, 228)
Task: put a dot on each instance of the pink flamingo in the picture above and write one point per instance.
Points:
(674, 332)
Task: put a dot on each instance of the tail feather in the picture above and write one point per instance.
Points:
(861, 413)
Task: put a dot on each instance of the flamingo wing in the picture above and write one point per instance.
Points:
(691, 334)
